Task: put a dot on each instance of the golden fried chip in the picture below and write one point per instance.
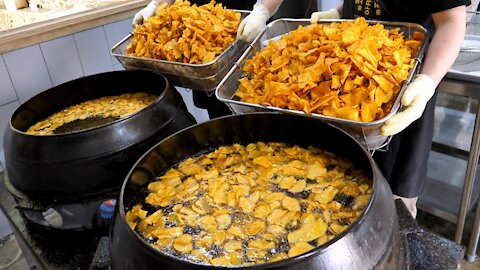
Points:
(347, 69)
(186, 33)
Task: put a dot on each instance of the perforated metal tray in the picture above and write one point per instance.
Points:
(368, 133)
(200, 77)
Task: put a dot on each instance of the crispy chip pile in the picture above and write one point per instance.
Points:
(250, 204)
(348, 70)
(185, 33)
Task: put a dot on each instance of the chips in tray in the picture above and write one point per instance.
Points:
(350, 69)
(185, 33)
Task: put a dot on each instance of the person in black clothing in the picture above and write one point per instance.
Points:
(404, 165)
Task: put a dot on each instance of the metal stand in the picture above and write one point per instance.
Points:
(469, 89)
(469, 179)
(472, 163)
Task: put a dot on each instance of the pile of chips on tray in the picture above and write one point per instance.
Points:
(185, 33)
(350, 69)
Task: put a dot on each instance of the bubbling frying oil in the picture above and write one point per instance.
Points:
(242, 205)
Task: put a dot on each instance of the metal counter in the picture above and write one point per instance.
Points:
(468, 89)
(450, 194)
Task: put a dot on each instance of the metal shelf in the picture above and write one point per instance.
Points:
(445, 178)
(447, 164)
(460, 135)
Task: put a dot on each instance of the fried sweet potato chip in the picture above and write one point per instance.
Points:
(348, 69)
(185, 33)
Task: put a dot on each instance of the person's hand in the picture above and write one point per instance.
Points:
(146, 12)
(329, 14)
(414, 100)
(253, 23)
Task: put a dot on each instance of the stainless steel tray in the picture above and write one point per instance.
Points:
(200, 77)
(367, 133)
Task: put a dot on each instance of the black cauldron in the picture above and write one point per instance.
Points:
(81, 164)
(371, 242)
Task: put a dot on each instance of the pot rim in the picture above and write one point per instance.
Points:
(71, 133)
(281, 263)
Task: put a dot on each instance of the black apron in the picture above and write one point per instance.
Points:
(404, 164)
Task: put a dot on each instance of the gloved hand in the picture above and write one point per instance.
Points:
(329, 14)
(414, 100)
(253, 23)
(146, 12)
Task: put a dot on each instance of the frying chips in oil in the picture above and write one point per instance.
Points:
(241, 205)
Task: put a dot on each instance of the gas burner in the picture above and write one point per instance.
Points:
(84, 214)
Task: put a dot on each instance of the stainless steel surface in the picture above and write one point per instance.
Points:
(469, 179)
(426, 207)
(471, 169)
(454, 128)
(444, 186)
(467, 64)
(472, 245)
(200, 77)
(471, 92)
(459, 87)
(368, 133)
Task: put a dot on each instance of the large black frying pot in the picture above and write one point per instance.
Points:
(80, 164)
(372, 242)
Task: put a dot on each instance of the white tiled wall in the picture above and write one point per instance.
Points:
(8, 93)
(93, 51)
(62, 59)
(115, 32)
(29, 71)
(5, 113)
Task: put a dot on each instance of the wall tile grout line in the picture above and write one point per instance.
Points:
(78, 53)
(106, 38)
(9, 102)
(11, 81)
(46, 66)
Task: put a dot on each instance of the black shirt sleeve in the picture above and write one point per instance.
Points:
(441, 5)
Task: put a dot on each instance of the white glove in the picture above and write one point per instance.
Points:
(253, 23)
(414, 100)
(146, 12)
(329, 14)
